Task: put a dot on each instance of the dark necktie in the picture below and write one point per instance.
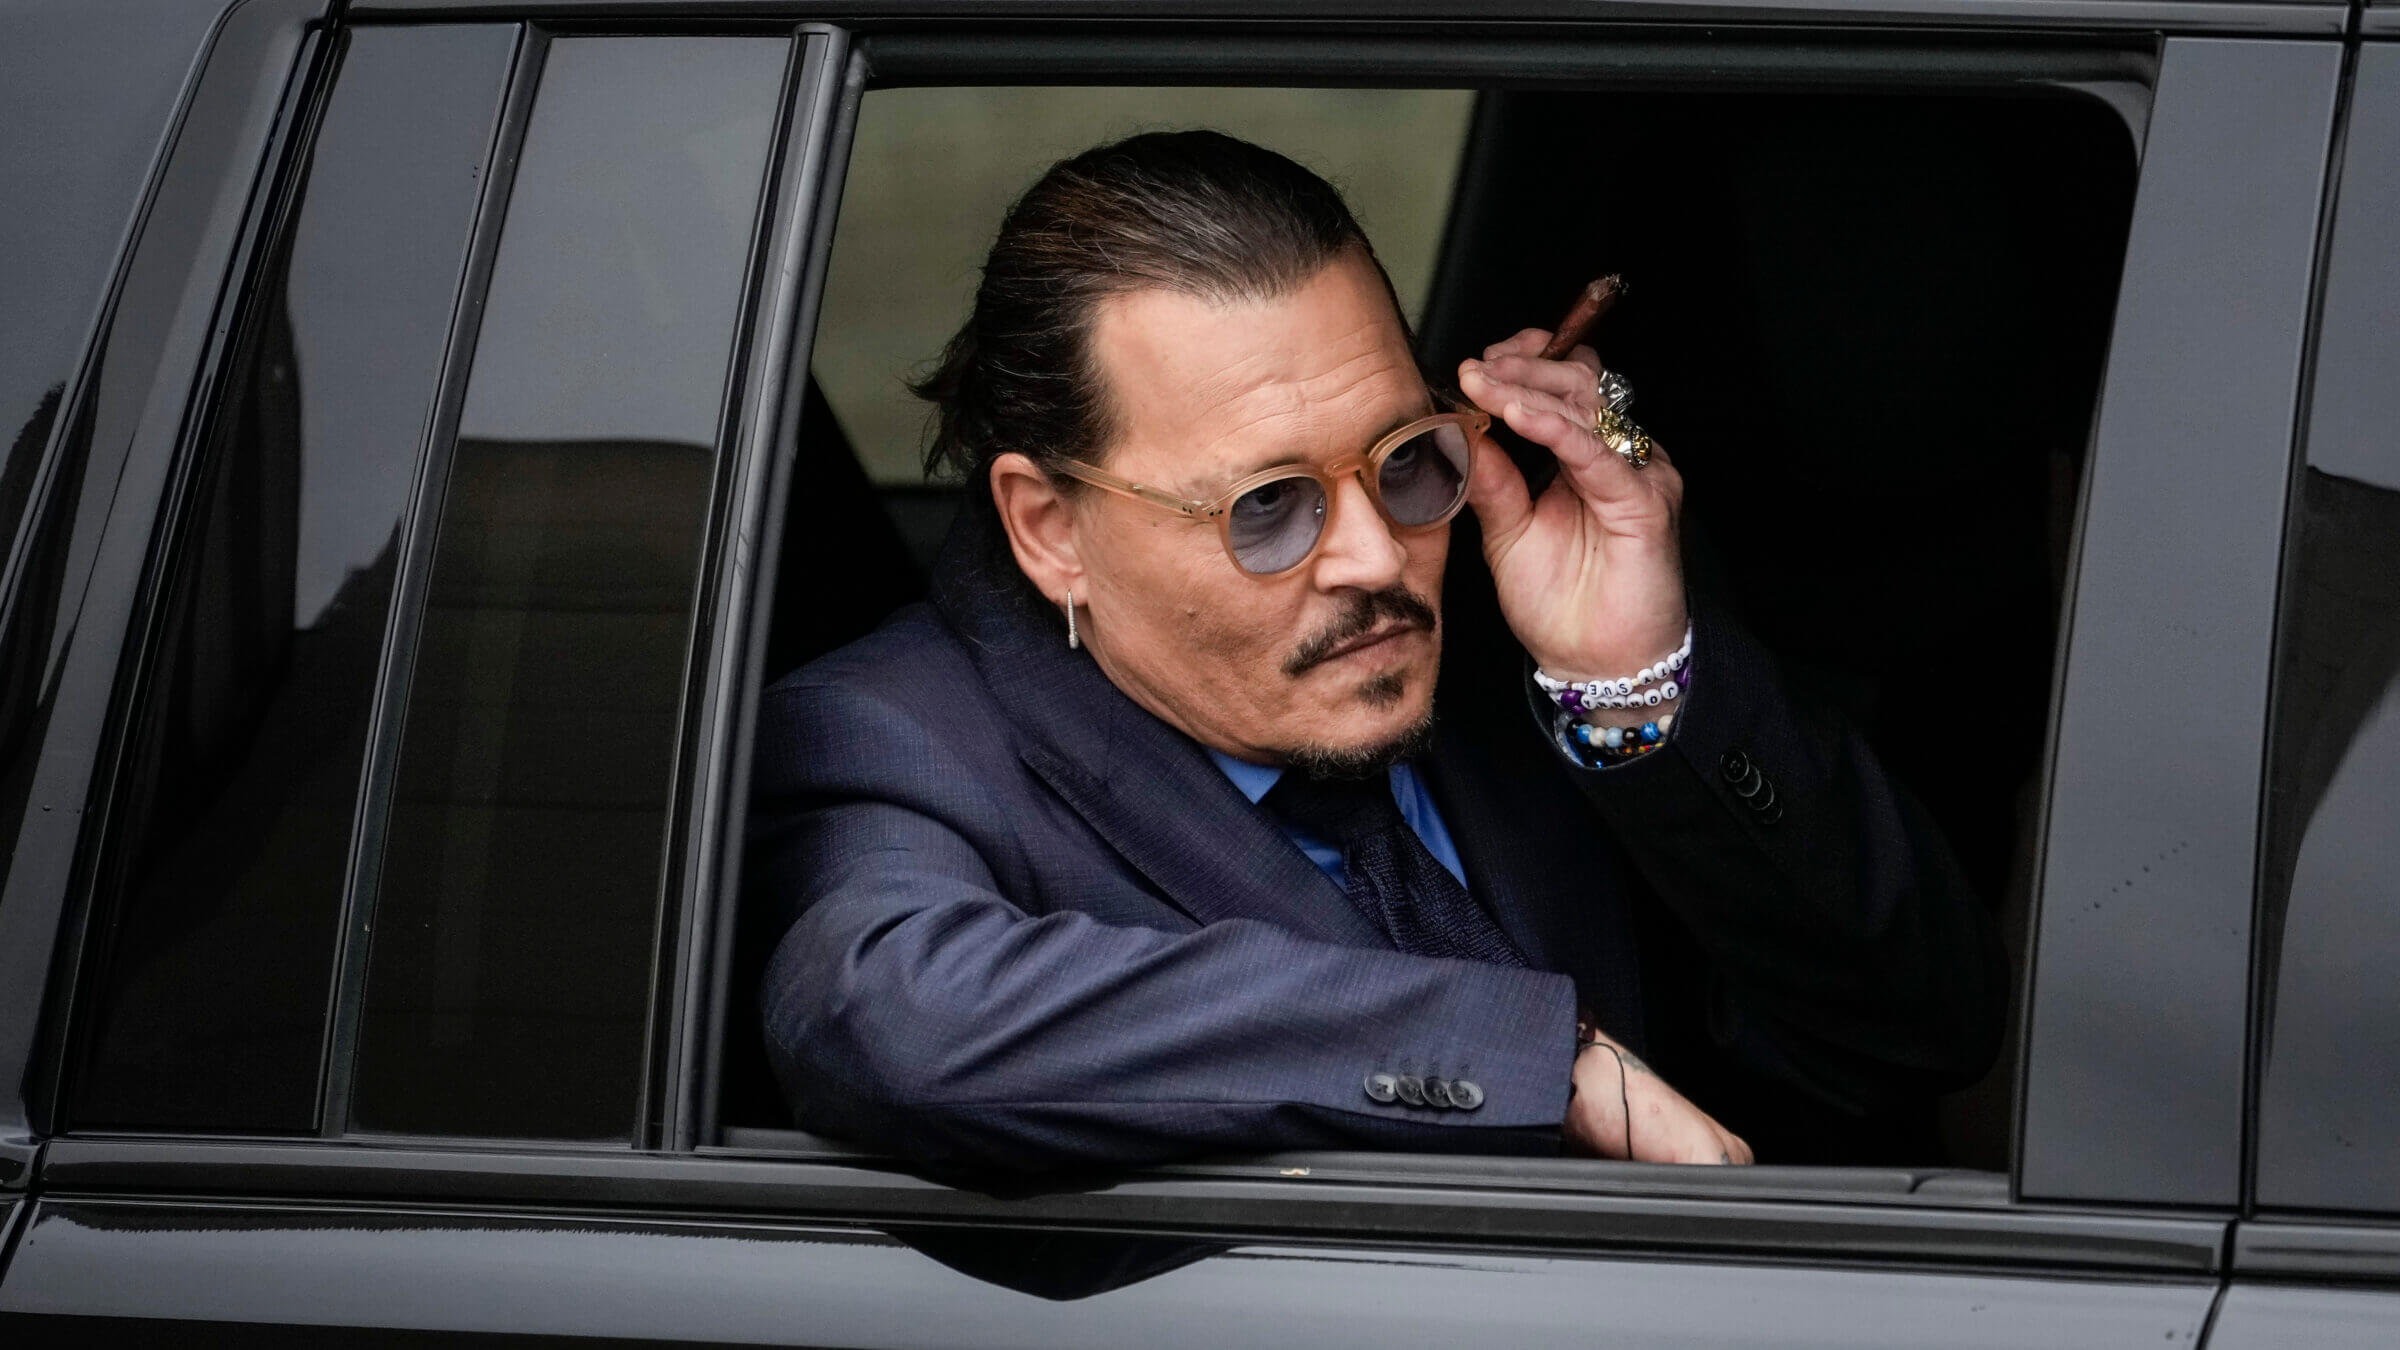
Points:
(1393, 878)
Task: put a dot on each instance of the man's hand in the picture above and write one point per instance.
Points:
(1613, 1088)
(1589, 576)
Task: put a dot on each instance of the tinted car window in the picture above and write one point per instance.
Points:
(508, 987)
(2329, 1107)
(232, 833)
(82, 109)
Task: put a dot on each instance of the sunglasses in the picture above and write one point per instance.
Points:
(1273, 521)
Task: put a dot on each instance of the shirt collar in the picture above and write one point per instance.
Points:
(1255, 780)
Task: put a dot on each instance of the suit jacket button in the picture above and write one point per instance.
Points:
(1437, 1093)
(1465, 1094)
(1734, 765)
(1412, 1089)
(1383, 1087)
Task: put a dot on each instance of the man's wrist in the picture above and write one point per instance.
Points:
(1655, 682)
(1627, 637)
(1601, 724)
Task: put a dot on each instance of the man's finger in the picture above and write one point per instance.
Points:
(1570, 380)
(1526, 342)
(1496, 492)
(1597, 473)
(1477, 382)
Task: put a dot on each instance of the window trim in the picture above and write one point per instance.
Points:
(2104, 69)
(731, 622)
(2118, 70)
(2308, 18)
(414, 553)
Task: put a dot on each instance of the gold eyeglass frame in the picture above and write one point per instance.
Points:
(1366, 468)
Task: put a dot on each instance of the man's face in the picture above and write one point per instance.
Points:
(1331, 660)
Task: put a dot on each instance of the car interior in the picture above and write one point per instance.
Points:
(1869, 327)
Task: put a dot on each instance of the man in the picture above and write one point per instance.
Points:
(1144, 838)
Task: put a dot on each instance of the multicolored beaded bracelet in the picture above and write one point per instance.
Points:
(1618, 744)
(1607, 747)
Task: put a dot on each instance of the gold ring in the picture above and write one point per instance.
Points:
(1618, 432)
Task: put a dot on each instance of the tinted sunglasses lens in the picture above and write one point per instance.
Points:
(1274, 525)
(1424, 477)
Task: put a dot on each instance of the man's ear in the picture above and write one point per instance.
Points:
(1040, 524)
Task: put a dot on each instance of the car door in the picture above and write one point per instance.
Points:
(2318, 1261)
(420, 1034)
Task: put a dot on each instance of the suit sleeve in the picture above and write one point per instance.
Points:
(1855, 962)
(914, 1004)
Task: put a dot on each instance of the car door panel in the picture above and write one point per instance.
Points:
(2138, 1013)
(2268, 1317)
(730, 1282)
(2327, 1135)
(2320, 1262)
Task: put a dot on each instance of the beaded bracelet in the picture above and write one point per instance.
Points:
(1625, 691)
(1615, 745)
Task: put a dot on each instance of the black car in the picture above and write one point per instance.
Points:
(422, 444)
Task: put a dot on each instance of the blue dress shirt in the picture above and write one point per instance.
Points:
(1416, 807)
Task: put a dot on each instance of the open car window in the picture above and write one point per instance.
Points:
(1821, 283)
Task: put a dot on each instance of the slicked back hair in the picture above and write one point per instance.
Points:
(1195, 212)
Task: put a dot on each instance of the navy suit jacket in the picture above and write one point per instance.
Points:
(1030, 925)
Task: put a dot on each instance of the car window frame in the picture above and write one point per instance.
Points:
(931, 57)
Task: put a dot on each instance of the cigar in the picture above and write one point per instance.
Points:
(1595, 301)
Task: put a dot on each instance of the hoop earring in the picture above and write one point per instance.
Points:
(1073, 641)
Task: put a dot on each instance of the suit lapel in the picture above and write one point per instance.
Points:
(1147, 789)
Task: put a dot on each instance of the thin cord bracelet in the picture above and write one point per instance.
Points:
(1624, 1099)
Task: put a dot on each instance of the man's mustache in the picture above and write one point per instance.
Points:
(1364, 615)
